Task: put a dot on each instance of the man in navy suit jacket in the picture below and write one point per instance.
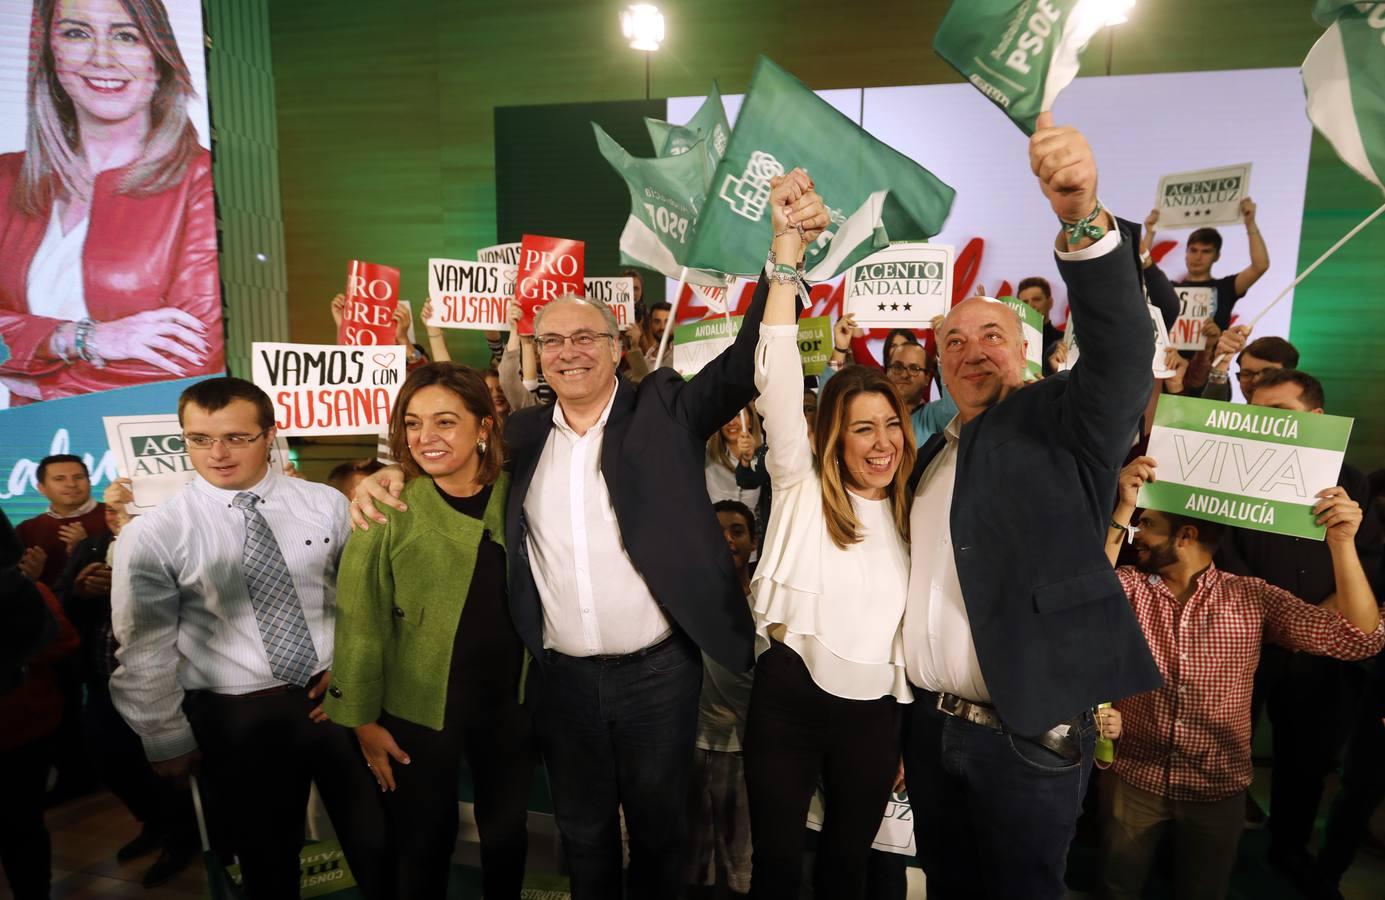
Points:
(1015, 625)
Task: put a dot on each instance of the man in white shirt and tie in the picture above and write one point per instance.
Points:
(222, 601)
(1013, 629)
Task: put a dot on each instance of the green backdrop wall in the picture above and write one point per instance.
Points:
(386, 128)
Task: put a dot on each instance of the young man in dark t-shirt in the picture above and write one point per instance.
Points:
(1204, 249)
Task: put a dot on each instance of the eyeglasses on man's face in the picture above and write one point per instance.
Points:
(231, 441)
(901, 370)
(584, 341)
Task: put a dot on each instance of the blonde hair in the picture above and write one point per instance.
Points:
(717, 450)
(53, 163)
(833, 401)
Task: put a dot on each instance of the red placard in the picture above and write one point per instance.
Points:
(372, 294)
(548, 269)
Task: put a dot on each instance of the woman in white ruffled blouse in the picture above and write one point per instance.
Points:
(828, 594)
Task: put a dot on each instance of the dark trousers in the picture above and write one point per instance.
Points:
(618, 735)
(25, 850)
(1311, 704)
(259, 756)
(798, 735)
(157, 803)
(993, 812)
(498, 743)
(1363, 784)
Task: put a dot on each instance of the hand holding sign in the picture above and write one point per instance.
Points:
(372, 295)
(1133, 477)
(1339, 514)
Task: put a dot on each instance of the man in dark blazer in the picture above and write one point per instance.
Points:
(1015, 625)
(613, 610)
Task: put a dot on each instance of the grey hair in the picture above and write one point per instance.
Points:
(571, 299)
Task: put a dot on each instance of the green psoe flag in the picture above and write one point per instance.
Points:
(666, 196)
(1021, 53)
(875, 194)
(1344, 80)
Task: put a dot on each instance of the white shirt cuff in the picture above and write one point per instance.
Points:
(779, 330)
(1108, 242)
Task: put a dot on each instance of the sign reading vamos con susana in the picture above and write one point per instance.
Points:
(1248, 466)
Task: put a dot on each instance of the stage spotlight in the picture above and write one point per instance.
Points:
(642, 25)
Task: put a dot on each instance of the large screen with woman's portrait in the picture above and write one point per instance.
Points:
(107, 224)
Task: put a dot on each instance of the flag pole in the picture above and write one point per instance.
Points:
(731, 333)
(672, 317)
(1308, 271)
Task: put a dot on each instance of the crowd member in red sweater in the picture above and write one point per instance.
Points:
(72, 516)
(29, 716)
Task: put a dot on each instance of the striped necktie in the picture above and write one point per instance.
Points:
(287, 642)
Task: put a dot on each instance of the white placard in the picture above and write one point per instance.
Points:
(1204, 197)
(327, 389)
(1161, 342)
(149, 450)
(905, 285)
(470, 295)
(505, 254)
(1195, 306)
(896, 832)
(617, 293)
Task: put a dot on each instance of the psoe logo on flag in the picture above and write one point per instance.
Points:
(749, 195)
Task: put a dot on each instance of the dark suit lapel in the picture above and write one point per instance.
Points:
(926, 453)
(617, 425)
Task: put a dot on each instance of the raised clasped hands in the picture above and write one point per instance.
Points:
(797, 215)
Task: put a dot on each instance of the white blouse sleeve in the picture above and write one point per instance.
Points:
(779, 379)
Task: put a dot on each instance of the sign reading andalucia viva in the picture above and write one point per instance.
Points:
(1248, 466)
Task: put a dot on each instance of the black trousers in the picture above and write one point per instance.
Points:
(798, 735)
(259, 756)
(1363, 782)
(617, 736)
(1311, 701)
(25, 850)
(498, 741)
(157, 803)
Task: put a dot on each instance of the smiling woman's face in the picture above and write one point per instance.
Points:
(102, 60)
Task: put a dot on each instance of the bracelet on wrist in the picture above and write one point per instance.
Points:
(840, 350)
(1084, 228)
(1116, 526)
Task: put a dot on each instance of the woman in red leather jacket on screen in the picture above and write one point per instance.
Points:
(107, 223)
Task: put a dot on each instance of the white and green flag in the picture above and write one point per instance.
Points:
(1022, 53)
(1344, 79)
(1249, 466)
(875, 194)
(708, 125)
(665, 197)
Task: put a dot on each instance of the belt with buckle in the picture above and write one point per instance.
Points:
(1061, 739)
(610, 660)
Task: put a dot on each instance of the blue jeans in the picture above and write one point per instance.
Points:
(993, 812)
(618, 734)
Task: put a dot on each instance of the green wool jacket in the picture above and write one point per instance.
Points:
(400, 592)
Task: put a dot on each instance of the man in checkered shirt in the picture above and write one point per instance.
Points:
(1184, 755)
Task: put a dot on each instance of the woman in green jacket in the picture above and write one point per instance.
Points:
(428, 664)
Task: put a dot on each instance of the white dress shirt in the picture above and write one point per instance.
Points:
(181, 610)
(939, 652)
(55, 288)
(721, 485)
(594, 601)
(840, 609)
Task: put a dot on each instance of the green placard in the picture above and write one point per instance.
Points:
(1247, 466)
(698, 343)
(1033, 324)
